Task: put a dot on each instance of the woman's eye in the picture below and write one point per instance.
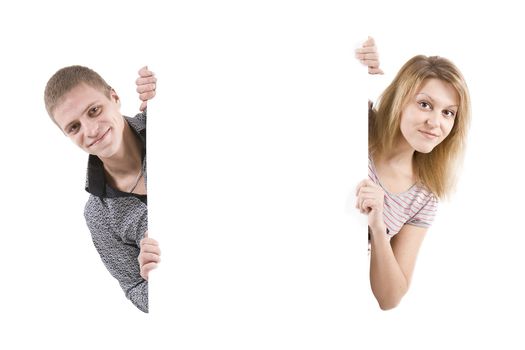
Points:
(449, 114)
(424, 105)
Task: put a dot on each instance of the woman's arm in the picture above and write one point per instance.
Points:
(392, 263)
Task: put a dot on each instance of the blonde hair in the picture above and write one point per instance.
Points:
(436, 169)
(67, 78)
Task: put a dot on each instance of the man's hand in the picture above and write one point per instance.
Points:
(368, 56)
(146, 86)
(149, 255)
(370, 201)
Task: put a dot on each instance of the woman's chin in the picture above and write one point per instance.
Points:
(424, 148)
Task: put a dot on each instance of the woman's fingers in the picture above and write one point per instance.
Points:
(364, 183)
(369, 196)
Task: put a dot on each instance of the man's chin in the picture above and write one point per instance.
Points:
(102, 154)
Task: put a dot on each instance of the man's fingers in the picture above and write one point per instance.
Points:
(143, 106)
(145, 72)
(146, 88)
(145, 269)
(150, 248)
(145, 258)
(145, 96)
(147, 240)
(145, 80)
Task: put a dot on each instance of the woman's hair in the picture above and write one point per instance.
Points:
(436, 169)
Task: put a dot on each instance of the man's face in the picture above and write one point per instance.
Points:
(91, 120)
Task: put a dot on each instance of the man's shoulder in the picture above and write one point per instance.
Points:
(95, 208)
(138, 122)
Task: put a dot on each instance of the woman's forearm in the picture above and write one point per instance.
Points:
(387, 280)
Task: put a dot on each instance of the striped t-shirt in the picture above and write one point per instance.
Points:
(416, 206)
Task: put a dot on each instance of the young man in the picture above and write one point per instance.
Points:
(87, 110)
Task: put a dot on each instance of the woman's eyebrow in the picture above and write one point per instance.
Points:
(432, 100)
(422, 93)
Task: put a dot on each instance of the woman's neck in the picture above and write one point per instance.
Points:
(398, 159)
(395, 167)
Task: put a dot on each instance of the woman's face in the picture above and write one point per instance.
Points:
(429, 115)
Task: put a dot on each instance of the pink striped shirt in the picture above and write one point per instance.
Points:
(416, 206)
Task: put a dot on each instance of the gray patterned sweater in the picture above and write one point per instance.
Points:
(118, 221)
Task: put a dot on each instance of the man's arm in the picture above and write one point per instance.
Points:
(120, 258)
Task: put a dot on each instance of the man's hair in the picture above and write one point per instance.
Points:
(67, 78)
(437, 170)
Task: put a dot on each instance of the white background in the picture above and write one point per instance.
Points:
(255, 142)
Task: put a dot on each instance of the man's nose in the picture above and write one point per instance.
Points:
(91, 127)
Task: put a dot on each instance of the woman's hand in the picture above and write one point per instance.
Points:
(149, 255)
(146, 86)
(368, 55)
(370, 200)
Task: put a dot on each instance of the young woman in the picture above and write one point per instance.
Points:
(417, 134)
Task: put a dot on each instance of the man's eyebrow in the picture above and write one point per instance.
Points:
(432, 100)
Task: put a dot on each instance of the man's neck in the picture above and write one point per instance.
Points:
(128, 158)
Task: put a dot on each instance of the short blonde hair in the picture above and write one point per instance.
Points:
(67, 78)
(437, 169)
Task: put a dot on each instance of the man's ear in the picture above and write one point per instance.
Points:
(114, 96)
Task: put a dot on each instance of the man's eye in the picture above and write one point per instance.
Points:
(94, 111)
(73, 129)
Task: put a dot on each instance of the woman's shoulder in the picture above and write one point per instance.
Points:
(424, 195)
